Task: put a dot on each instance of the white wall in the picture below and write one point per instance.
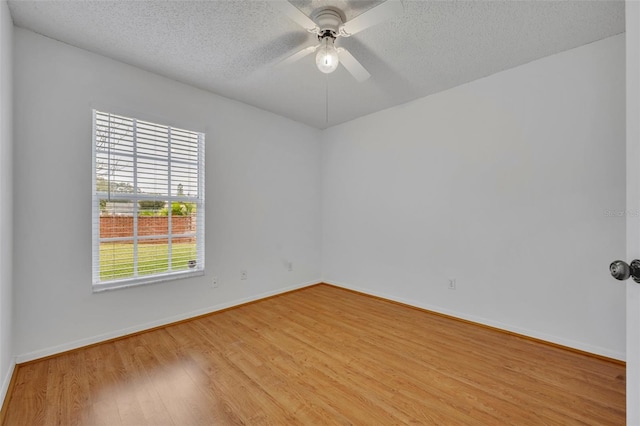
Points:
(503, 183)
(6, 245)
(262, 198)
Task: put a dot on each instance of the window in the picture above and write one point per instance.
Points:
(148, 202)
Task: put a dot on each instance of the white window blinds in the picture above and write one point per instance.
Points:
(148, 202)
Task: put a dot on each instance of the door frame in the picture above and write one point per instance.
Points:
(632, 17)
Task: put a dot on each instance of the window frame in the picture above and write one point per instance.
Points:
(99, 285)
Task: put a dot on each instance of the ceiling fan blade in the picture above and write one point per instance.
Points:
(352, 65)
(387, 10)
(297, 56)
(295, 15)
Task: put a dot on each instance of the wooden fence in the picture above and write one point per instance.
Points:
(122, 226)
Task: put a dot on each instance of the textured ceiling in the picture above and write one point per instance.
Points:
(230, 47)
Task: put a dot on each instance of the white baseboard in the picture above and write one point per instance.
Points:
(53, 350)
(519, 330)
(6, 380)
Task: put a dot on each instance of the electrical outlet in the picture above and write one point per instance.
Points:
(289, 266)
(243, 274)
(214, 282)
(452, 284)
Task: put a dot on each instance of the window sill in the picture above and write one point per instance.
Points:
(136, 282)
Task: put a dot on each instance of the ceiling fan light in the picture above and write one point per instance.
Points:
(327, 57)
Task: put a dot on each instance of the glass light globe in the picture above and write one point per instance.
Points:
(327, 57)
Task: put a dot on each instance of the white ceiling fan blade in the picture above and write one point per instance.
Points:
(297, 56)
(352, 65)
(295, 15)
(387, 10)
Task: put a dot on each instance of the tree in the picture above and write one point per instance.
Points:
(151, 204)
(103, 185)
(110, 137)
(178, 209)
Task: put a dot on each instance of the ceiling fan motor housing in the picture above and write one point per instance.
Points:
(328, 21)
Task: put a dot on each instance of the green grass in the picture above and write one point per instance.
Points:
(116, 259)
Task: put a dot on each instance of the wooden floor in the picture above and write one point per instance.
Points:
(321, 355)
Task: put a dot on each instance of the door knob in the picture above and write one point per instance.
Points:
(621, 271)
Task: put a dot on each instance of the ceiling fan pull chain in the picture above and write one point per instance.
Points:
(327, 98)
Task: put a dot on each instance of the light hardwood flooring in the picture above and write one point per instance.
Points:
(317, 356)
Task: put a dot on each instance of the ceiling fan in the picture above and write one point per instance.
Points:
(328, 24)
